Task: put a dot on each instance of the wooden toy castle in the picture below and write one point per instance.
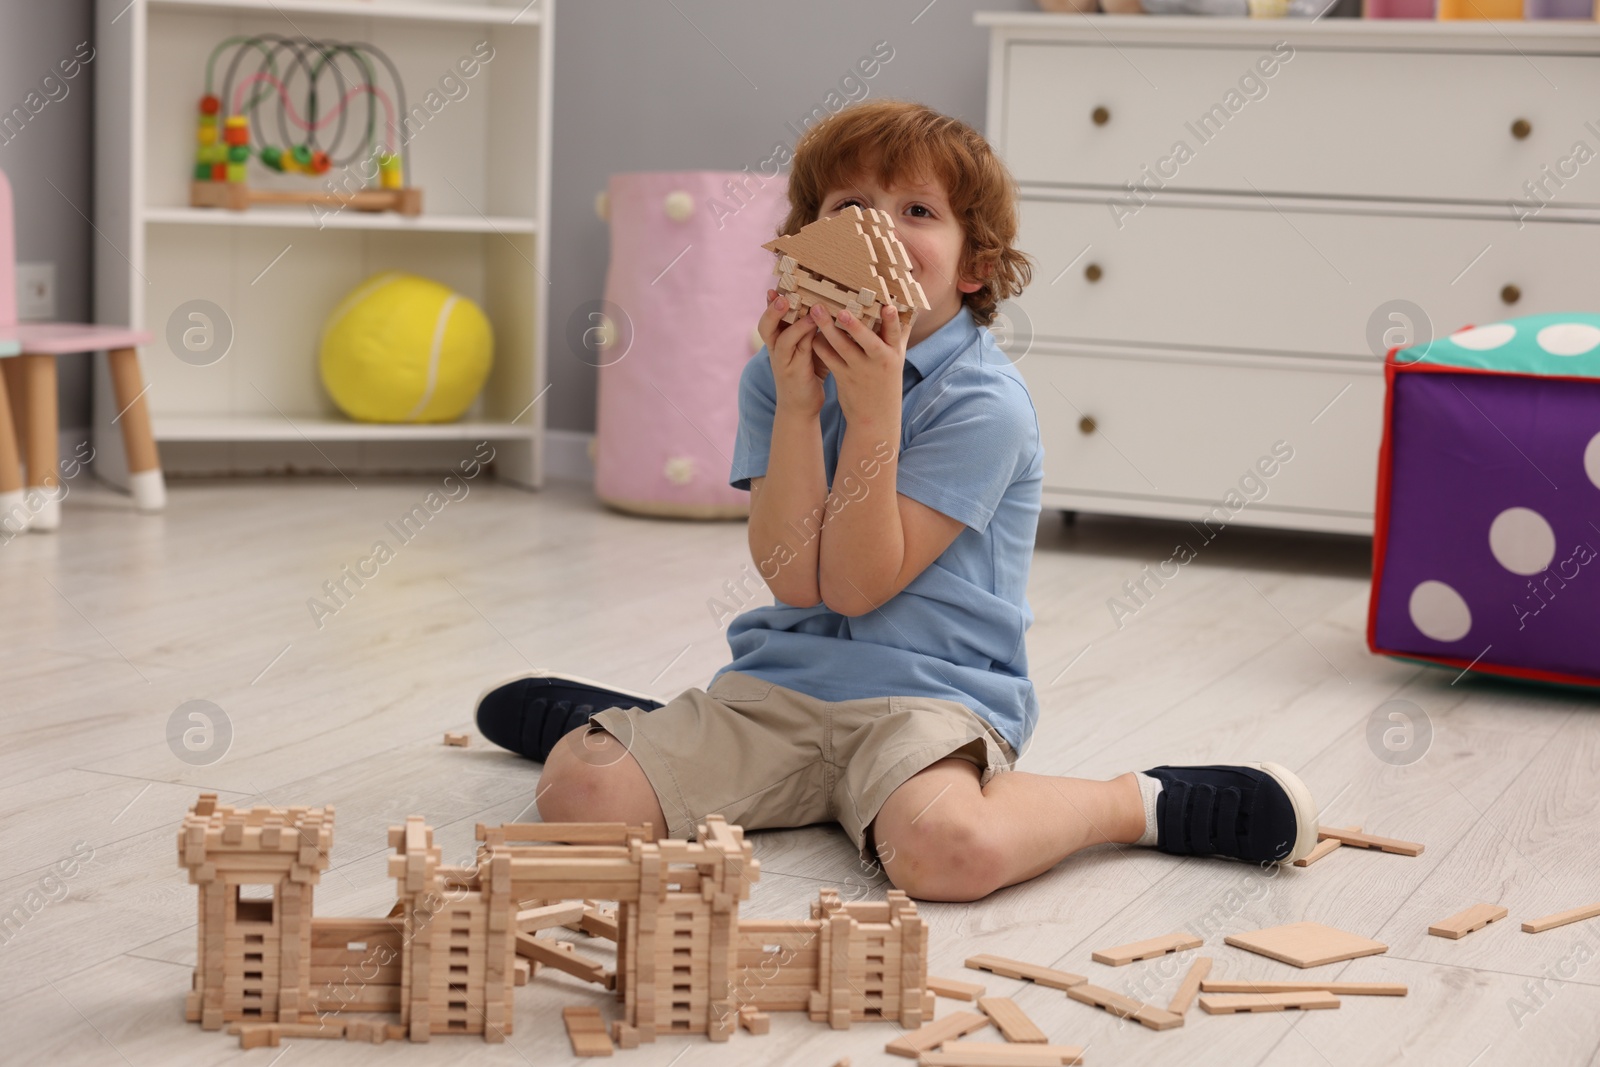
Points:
(447, 957)
(850, 261)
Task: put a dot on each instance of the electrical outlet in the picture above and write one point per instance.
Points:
(36, 291)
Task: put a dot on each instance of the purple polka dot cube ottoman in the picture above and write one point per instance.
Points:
(1488, 515)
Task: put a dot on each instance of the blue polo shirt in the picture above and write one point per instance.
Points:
(969, 448)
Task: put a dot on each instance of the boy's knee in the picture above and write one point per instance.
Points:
(586, 779)
(945, 853)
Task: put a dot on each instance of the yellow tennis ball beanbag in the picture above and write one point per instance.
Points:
(401, 348)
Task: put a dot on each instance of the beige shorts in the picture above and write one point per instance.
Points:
(764, 756)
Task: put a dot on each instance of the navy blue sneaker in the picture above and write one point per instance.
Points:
(531, 712)
(1254, 811)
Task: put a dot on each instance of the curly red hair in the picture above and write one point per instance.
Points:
(909, 142)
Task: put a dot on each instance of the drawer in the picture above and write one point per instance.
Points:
(1189, 432)
(1428, 125)
(1252, 278)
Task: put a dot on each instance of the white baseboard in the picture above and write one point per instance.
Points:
(566, 455)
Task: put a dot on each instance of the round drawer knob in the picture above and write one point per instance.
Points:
(1510, 294)
(1521, 128)
(1093, 272)
(1087, 425)
(1100, 116)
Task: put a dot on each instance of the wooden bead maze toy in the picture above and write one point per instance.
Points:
(314, 92)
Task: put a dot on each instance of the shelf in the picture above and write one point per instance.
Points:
(322, 428)
(471, 14)
(344, 220)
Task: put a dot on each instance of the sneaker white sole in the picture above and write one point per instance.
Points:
(563, 676)
(1305, 808)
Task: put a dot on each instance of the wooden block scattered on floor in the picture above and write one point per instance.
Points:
(457, 740)
(1306, 944)
(953, 989)
(1463, 923)
(587, 1031)
(984, 1054)
(1560, 918)
(754, 1020)
(1354, 989)
(524, 971)
(1190, 986)
(1125, 1007)
(1011, 1020)
(1007, 968)
(1230, 1003)
(1357, 839)
(1324, 846)
(1146, 949)
(931, 1035)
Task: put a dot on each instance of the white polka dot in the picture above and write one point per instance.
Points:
(1569, 338)
(1439, 612)
(1481, 338)
(1522, 541)
(1591, 460)
(679, 206)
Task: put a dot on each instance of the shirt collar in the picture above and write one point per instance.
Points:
(933, 351)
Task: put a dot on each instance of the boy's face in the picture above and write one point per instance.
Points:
(931, 233)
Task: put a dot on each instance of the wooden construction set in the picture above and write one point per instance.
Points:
(446, 958)
(459, 939)
(311, 85)
(852, 261)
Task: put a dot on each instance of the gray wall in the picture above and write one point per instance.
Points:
(57, 145)
(641, 86)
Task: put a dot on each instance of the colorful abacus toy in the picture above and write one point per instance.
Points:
(358, 152)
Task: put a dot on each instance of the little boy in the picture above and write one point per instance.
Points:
(894, 482)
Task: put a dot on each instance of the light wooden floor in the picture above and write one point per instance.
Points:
(1254, 652)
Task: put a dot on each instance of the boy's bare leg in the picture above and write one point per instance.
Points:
(942, 837)
(592, 777)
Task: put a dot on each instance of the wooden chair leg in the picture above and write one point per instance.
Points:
(13, 509)
(42, 444)
(144, 463)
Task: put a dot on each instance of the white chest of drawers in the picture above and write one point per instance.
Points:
(1228, 216)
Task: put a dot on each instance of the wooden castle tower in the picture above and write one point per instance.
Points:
(255, 870)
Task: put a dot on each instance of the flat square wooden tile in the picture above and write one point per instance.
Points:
(1306, 944)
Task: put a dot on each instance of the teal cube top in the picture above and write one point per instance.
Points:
(1564, 345)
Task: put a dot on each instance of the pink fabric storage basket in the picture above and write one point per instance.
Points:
(687, 281)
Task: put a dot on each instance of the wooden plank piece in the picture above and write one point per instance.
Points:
(1231, 1003)
(530, 920)
(1053, 1053)
(931, 1035)
(1324, 847)
(952, 989)
(1147, 949)
(587, 1031)
(1190, 986)
(1354, 989)
(1011, 1020)
(1008, 968)
(1125, 1007)
(1463, 923)
(1560, 918)
(981, 1054)
(1357, 839)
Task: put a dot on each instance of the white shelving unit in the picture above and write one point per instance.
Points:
(479, 150)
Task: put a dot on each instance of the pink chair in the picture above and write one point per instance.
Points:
(28, 401)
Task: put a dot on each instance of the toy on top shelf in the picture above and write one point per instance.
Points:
(850, 261)
(373, 158)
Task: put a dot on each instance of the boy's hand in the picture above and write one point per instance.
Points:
(794, 365)
(867, 367)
